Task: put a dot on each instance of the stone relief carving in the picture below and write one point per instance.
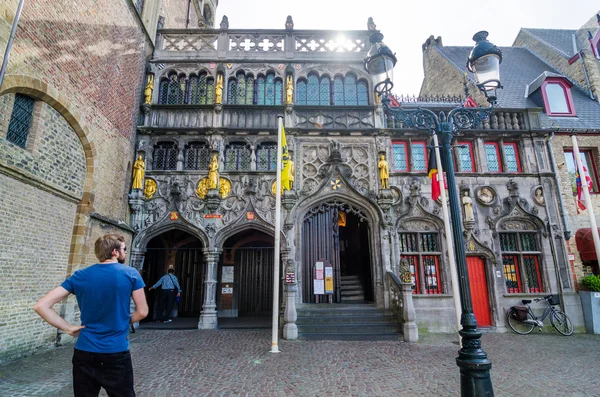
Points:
(486, 195)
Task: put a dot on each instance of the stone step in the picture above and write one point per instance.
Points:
(352, 298)
(378, 319)
(352, 288)
(351, 337)
(356, 328)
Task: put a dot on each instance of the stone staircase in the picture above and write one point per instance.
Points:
(356, 321)
(352, 290)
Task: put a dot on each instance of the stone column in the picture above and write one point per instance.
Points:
(290, 329)
(208, 317)
(136, 260)
(409, 326)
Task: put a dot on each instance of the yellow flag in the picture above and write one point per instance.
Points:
(285, 157)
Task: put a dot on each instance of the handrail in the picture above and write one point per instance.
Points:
(402, 306)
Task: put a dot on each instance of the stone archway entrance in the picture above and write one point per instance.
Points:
(245, 276)
(339, 234)
(182, 252)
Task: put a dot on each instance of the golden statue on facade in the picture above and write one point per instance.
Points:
(213, 172)
(148, 90)
(219, 89)
(138, 173)
(149, 188)
(202, 188)
(224, 187)
(384, 172)
(289, 90)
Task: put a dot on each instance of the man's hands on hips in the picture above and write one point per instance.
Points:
(73, 330)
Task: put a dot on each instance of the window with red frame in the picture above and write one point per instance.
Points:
(595, 44)
(521, 263)
(465, 160)
(409, 156)
(422, 253)
(558, 101)
(587, 159)
(494, 156)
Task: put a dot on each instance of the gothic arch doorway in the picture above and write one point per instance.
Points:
(183, 252)
(339, 234)
(245, 276)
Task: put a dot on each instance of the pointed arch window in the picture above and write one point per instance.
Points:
(240, 89)
(237, 157)
(347, 91)
(197, 156)
(301, 92)
(165, 156)
(266, 157)
(201, 89)
(172, 90)
(268, 90)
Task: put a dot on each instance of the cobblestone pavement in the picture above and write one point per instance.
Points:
(238, 363)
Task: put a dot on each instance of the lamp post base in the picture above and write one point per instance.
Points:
(474, 366)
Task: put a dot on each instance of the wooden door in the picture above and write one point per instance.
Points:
(189, 269)
(254, 275)
(479, 291)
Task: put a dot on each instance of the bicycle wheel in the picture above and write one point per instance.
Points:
(561, 322)
(518, 326)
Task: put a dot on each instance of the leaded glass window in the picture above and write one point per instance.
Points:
(347, 91)
(301, 92)
(197, 156)
(521, 262)
(399, 156)
(418, 156)
(232, 91)
(266, 157)
(20, 120)
(165, 156)
(278, 91)
(325, 91)
(511, 155)
(237, 157)
(492, 156)
(240, 90)
(422, 252)
(200, 90)
(338, 90)
(362, 93)
(464, 152)
(313, 90)
(350, 96)
(172, 90)
(268, 90)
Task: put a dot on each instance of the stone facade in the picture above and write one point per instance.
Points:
(74, 172)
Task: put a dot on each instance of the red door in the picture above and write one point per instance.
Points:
(479, 291)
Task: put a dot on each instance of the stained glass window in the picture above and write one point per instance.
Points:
(240, 98)
(422, 253)
(492, 156)
(418, 156)
(20, 120)
(278, 91)
(232, 91)
(197, 156)
(399, 156)
(312, 94)
(511, 155)
(172, 90)
(464, 152)
(237, 157)
(338, 90)
(266, 157)
(350, 96)
(200, 90)
(260, 90)
(301, 92)
(520, 258)
(165, 156)
(325, 91)
(362, 93)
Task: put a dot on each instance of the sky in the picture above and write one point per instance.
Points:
(407, 24)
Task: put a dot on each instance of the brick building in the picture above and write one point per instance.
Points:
(70, 106)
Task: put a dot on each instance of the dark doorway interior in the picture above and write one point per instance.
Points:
(182, 252)
(245, 276)
(354, 252)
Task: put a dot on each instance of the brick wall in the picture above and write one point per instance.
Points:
(84, 62)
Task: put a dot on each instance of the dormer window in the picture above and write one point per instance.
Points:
(557, 97)
(595, 42)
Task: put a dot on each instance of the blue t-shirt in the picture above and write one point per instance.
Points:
(103, 292)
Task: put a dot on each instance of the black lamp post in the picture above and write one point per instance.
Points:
(484, 61)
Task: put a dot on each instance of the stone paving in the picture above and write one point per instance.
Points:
(238, 363)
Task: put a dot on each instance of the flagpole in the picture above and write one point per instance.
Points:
(586, 195)
(449, 241)
(275, 331)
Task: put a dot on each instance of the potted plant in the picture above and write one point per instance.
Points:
(590, 303)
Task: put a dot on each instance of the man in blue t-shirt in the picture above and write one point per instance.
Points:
(101, 357)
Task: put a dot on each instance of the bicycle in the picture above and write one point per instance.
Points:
(522, 320)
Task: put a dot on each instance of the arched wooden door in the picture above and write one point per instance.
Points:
(479, 291)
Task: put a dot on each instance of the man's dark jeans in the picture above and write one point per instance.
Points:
(112, 371)
(165, 304)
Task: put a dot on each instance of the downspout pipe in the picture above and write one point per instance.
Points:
(585, 74)
(563, 213)
(10, 41)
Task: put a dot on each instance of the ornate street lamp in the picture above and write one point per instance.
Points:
(484, 61)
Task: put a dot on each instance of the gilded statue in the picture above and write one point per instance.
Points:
(138, 173)
(224, 187)
(219, 89)
(149, 188)
(289, 90)
(213, 172)
(384, 172)
(202, 188)
(289, 168)
(148, 90)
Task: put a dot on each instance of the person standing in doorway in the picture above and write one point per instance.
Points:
(169, 289)
(101, 356)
